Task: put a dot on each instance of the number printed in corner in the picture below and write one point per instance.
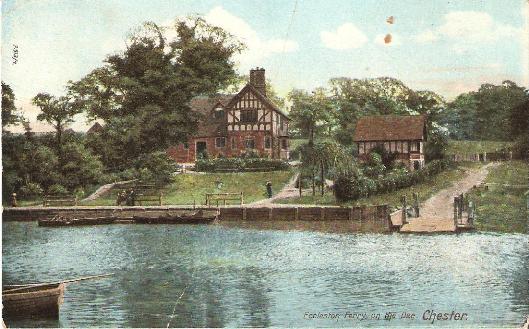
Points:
(15, 54)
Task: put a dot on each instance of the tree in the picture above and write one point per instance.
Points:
(460, 117)
(58, 112)
(143, 93)
(495, 104)
(9, 115)
(310, 114)
(354, 98)
(80, 168)
(520, 119)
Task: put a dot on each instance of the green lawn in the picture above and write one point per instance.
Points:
(473, 147)
(425, 190)
(188, 188)
(503, 208)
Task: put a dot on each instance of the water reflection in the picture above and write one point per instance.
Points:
(218, 276)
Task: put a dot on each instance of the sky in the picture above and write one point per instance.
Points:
(448, 47)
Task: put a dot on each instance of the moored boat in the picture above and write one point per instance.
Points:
(61, 221)
(33, 300)
(199, 217)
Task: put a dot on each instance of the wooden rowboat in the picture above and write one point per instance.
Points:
(33, 301)
(198, 217)
(60, 221)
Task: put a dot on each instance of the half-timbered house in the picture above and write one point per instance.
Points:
(232, 125)
(404, 135)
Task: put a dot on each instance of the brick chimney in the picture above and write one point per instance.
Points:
(258, 80)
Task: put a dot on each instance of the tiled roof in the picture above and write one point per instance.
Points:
(208, 125)
(96, 127)
(390, 128)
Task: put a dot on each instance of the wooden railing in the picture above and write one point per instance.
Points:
(59, 200)
(224, 197)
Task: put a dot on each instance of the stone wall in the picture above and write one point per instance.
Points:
(377, 215)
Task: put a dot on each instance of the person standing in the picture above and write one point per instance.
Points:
(269, 189)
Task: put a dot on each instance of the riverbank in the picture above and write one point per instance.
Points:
(425, 190)
(192, 188)
(502, 207)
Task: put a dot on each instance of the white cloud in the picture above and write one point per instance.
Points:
(474, 26)
(426, 36)
(468, 28)
(257, 47)
(346, 36)
(394, 40)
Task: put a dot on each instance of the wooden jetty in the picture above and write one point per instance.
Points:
(409, 219)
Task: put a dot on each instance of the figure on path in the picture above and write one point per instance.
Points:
(269, 189)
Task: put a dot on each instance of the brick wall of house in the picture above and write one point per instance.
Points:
(182, 155)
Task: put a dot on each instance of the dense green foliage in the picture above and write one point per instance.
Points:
(58, 112)
(156, 167)
(143, 94)
(493, 112)
(9, 115)
(32, 167)
(240, 164)
(362, 183)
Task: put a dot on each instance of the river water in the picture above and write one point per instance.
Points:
(215, 276)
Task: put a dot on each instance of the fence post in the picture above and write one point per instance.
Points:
(404, 209)
(456, 203)
(416, 204)
(470, 220)
(461, 205)
(242, 198)
(299, 183)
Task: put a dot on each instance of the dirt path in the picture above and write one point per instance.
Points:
(437, 211)
(288, 191)
(440, 204)
(104, 189)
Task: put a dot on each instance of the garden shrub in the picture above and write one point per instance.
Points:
(57, 189)
(352, 186)
(156, 167)
(30, 190)
(240, 164)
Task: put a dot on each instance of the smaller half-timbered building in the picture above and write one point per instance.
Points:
(234, 124)
(401, 134)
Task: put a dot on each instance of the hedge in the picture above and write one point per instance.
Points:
(240, 164)
(353, 187)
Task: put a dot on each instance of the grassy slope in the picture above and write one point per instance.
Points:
(472, 147)
(425, 190)
(187, 188)
(503, 208)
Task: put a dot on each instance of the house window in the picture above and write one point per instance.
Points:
(249, 143)
(249, 115)
(404, 147)
(186, 145)
(268, 142)
(284, 144)
(220, 142)
(219, 113)
(360, 148)
(233, 143)
(415, 146)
